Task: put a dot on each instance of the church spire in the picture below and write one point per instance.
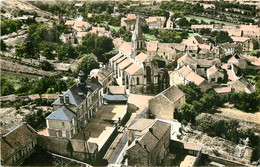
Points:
(138, 40)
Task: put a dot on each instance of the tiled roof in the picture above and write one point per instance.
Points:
(223, 90)
(70, 22)
(62, 114)
(118, 42)
(116, 57)
(240, 39)
(121, 59)
(102, 73)
(210, 26)
(173, 94)
(193, 77)
(81, 34)
(155, 19)
(185, 71)
(141, 57)
(81, 24)
(126, 47)
(79, 4)
(131, 16)
(16, 139)
(131, 70)
(116, 90)
(125, 63)
(233, 59)
(150, 139)
(152, 46)
(212, 70)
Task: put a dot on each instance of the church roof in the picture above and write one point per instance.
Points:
(141, 57)
(133, 69)
(152, 46)
(138, 33)
(126, 47)
(124, 63)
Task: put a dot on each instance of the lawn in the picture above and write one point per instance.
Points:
(208, 20)
(150, 37)
(191, 35)
(114, 27)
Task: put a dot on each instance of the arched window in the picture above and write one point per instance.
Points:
(127, 83)
(137, 81)
(148, 75)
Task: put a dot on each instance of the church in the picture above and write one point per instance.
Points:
(137, 70)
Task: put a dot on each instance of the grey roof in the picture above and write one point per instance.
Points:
(173, 93)
(115, 97)
(62, 114)
(73, 92)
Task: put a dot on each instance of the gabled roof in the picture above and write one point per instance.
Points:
(141, 57)
(126, 47)
(125, 63)
(223, 90)
(16, 139)
(240, 39)
(150, 139)
(173, 94)
(62, 114)
(102, 73)
(131, 70)
(212, 70)
(191, 76)
(116, 57)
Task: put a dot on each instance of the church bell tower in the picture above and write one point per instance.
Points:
(138, 40)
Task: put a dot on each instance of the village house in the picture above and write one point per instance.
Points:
(245, 43)
(223, 90)
(214, 74)
(128, 22)
(165, 104)
(242, 85)
(62, 123)
(82, 99)
(170, 23)
(151, 148)
(238, 61)
(186, 75)
(68, 38)
(226, 49)
(116, 90)
(104, 76)
(17, 145)
(155, 22)
(77, 26)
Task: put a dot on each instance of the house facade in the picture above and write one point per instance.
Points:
(77, 105)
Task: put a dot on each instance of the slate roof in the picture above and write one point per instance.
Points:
(16, 139)
(73, 92)
(62, 114)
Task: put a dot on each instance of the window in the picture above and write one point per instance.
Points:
(137, 81)
(62, 123)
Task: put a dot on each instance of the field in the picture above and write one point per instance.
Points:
(207, 20)
(150, 37)
(17, 79)
(114, 27)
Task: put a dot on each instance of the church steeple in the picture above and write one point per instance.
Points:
(138, 40)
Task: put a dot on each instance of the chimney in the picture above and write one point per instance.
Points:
(151, 130)
(67, 100)
(61, 99)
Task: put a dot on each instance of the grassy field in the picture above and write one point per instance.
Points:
(150, 37)
(16, 79)
(114, 27)
(191, 35)
(208, 20)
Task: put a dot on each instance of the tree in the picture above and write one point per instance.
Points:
(194, 21)
(47, 66)
(188, 113)
(25, 50)
(192, 92)
(6, 88)
(183, 22)
(3, 45)
(92, 43)
(223, 37)
(88, 64)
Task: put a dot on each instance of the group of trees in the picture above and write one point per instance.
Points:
(183, 7)
(221, 36)
(123, 33)
(88, 63)
(92, 43)
(37, 119)
(8, 26)
(33, 86)
(168, 36)
(228, 129)
(198, 102)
